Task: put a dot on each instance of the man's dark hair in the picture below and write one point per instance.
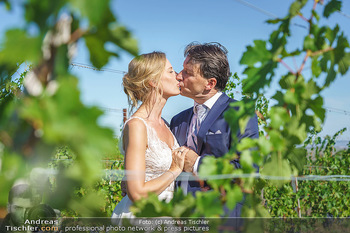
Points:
(21, 191)
(212, 61)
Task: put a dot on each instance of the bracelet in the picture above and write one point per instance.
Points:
(172, 174)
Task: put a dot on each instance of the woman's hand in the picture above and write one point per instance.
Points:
(179, 158)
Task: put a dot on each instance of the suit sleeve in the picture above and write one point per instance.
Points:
(251, 131)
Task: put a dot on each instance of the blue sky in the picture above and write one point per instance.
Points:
(169, 26)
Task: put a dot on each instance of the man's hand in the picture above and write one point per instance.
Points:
(190, 160)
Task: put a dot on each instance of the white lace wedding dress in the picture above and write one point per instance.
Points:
(158, 160)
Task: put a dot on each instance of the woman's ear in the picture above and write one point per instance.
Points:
(211, 83)
(152, 83)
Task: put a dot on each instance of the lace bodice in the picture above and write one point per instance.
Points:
(158, 156)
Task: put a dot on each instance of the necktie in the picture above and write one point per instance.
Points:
(198, 117)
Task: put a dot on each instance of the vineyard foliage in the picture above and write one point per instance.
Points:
(296, 111)
(318, 198)
(48, 114)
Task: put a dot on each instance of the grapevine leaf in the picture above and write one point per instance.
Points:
(287, 81)
(257, 53)
(316, 106)
(257, 78)
(309, 43)
(123, 38)
(316, 15)
(277, 167)
(315, 67)
(98, 54)
(331, 35)
(39, 12)
(19, 47)
(330, 76)
(297, 157)
(331, 7)
(276, 140)
(202, 208)
(344, 64)
(233, 196)
(278, 116)
(96, 11)
(296, 7)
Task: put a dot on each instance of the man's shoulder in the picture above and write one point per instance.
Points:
(182, 114)
(226, 100)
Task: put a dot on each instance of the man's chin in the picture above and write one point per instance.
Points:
(185, 94)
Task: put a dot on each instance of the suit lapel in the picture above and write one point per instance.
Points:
(182, 132)
(219, 106)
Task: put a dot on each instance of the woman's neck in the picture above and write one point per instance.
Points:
(152, 111)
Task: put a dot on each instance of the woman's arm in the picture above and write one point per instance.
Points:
(135, 144)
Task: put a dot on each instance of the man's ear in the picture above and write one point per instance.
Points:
(211, 84)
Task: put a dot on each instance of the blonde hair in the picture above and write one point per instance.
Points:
(143, 70)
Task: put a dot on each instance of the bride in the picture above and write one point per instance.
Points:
(153, 158)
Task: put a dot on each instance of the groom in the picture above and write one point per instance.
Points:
(203, 127)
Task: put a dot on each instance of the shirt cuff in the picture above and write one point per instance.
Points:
(195, 166)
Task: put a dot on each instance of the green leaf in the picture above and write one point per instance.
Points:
(316, 15)
(315, 67)
(242, 122)
(43, 13)
(309, 89)
(183, 205)
(324, 62)
(7, 3)
(330, 76)
(13, 167)
(245, 144)
(296, 130)
(277, 167)
(203, 209)
(309, 43)
(274, 21)
(233, 196)
(96, 46)
(246, 162)
(61, 61)
(331, 7)
(240, 110)
(208, 166)
(257, 78)
(297, 157)
(287, 81)
(96, 42)
(150, 207)
(96, 11)
(255, 54)
(19, 47)
(342, 46)
(344, 64)
(277, 141)
(278, 116)
(123, 38)
(331, 35)
(317, 107)
(296, 6)
(279, 97)
(265, 145)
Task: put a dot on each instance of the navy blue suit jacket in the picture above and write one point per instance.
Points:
(214, 136)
